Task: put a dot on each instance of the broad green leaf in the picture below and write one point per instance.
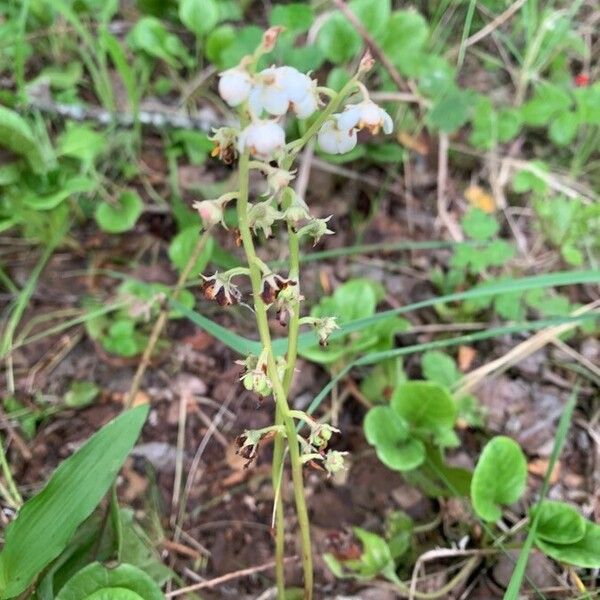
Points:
(563, 128)
(389, 433)
(404, 39)
(584, 553)
(439, 367)
(374, 16)
(390, 152)
(558, 522)
(183, 245)
(425, 405)
(527, 180)
(547, 101)
(75, 185)
(499, 477)
(47, 521)
(338, 40)
(296, 17)
(451, 110)
(16, 135)
(150, 36)
(199, 16)
(80, 141)
(120, 216)
(479, 225)
(124, 582)
(245, 42)
(81, 393)
(217, 41)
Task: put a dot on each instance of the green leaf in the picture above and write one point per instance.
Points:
(81, 142)
(374, 16)
(81, 393)
(389, 433)
(558, 522)
(440, 368)
(527, 180)
(120, 216)
(451, 110)
(217, 41)
(584, 553)
(499, 477)
(563, 128)
(75, 185)
(390, 152)
(16, 135)
(150, 36)
(338, 77)
(547, 101)
(124, 582)
(338, 40)
(491, 126)
(46, 522)
(295, 17)
(245, 42)
(199, 16)
(404, 39)
(479, 225)
(183, 245)
(425, 405)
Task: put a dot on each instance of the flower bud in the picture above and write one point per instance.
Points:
(366, 62)
(321, 434)
(262, 138)
(235, 85)
(210, 211)
(269, 38)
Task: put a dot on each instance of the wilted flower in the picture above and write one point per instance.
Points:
(221, 289)
(272, 285)
(279, 179)
(334, 461)
(297, 209)
(210, 211)
(316, 229)
(262, 215)
(324, 327)
(366, 115)
(235, 85)
(225, 139)
(247, 444)
(262, 138)
(335, 139)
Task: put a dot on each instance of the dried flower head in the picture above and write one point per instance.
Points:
(220, 289)
(316, 229)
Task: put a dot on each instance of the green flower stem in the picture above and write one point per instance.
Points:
(278, 389)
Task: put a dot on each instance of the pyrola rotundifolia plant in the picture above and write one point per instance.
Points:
(262, 100)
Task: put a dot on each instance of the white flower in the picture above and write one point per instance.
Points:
(335, 139)
(234, 86)
(279, 88)
(262, 138)
(366, 115)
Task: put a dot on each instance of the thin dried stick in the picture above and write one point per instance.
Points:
(442, 181)
(162, 320)
(228, 577)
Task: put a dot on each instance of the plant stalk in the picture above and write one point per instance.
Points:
(278, 388)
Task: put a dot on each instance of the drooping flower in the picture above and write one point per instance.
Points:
(235, 85)
(278, 89)
(263, 138)
(336, 139)
(366, 115)
(210, 211)
(272, 285)
(221, 289)
(262, 216)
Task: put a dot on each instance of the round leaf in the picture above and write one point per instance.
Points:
(183, 245)
(199, 16)
(563, 128)
(389, 433)
(499, 477)
(584, 553)
(121, 216)
(338, 40)
(425, 405)
(558, 522)
(124, 582)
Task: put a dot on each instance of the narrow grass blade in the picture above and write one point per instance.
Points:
(512, 592)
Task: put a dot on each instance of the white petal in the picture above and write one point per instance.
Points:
(296, 84)
(275, 101)
(255, 103)
(370, 114)
(306, 107)
(234, 86)
(349, 118)
(346, 141)
(388, 124)
(326, 138)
